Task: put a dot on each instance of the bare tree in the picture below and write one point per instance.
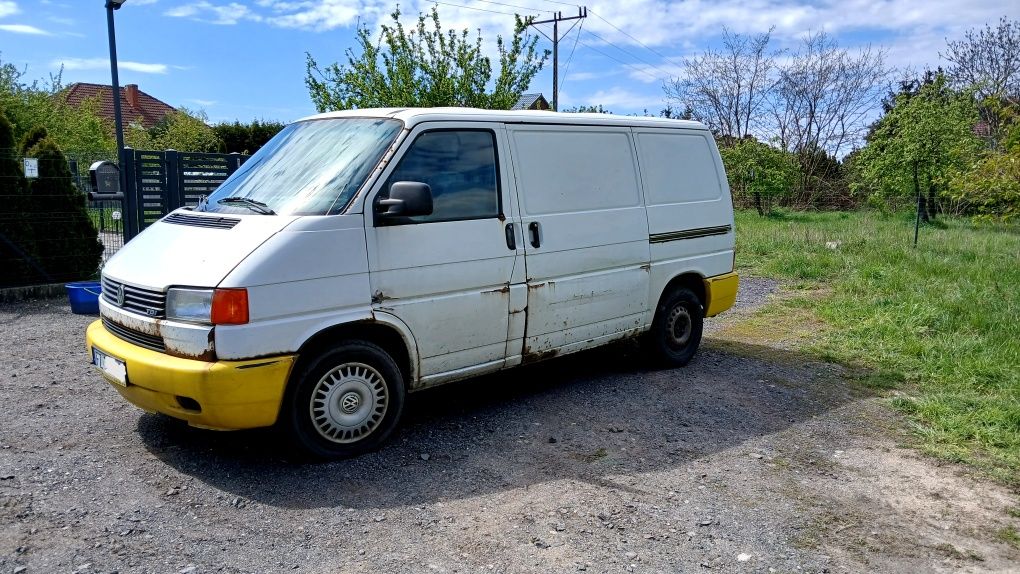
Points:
(988, 60)
(726, 89)
(823, 101)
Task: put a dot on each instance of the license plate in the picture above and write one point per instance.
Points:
(113, 368)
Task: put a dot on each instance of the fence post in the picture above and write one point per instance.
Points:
(131, 211)
(172, 169)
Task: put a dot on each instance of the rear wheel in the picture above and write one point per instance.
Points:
(676, 328)
(344, 401)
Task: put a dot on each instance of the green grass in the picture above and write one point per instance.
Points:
(940, 322)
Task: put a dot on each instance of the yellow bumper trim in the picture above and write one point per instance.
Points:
(720, 293)
(230, 394)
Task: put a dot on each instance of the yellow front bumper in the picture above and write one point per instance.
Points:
(721, 293)
(229, 394)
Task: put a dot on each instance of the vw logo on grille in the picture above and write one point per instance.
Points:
(120, 295)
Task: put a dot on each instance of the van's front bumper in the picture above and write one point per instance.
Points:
(223, 394)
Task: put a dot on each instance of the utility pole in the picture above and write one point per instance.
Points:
(582, 12)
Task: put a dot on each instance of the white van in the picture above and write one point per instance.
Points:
(362, 255)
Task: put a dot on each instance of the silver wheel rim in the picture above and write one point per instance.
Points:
(349, 403)
(678, 327)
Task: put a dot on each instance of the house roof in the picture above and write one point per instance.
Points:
(148, 112)
(531, 102)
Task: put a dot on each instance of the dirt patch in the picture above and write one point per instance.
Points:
(755, 458)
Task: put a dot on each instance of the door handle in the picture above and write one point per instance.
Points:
(511, 241)
(533, 229)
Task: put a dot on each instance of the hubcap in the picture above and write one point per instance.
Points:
(678, 327)
(349, 403)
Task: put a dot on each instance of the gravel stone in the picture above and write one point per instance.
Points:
(640, 452)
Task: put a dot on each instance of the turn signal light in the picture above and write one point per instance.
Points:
(229, 307)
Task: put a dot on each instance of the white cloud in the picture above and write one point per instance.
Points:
(23, 29)
(203, 103)
(143, 2)
(8, 8)
(221, 14)
(618, 99)
(104, 64)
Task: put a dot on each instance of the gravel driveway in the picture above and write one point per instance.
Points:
(751, 459)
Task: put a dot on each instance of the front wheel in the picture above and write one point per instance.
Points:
(344, 401)
(676, 328)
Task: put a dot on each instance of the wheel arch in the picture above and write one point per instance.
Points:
(384, 330)
(689, 279)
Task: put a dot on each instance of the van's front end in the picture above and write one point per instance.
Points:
(203, 313)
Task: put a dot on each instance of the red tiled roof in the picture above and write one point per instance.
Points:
(148, 112)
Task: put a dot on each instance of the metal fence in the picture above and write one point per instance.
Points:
(106, 215)
(161, 181)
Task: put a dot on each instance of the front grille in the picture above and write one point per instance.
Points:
(146, 340)
(201, 221)
(145, 302)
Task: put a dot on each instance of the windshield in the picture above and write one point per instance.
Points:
(309, 168)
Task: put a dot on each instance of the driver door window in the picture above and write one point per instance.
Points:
(460, 168)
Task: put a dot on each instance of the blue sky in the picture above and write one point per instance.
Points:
(245, 59)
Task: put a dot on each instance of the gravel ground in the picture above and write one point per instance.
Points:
(751, 459)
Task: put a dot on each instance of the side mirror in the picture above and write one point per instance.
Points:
(407, 198)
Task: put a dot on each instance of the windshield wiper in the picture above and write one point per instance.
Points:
(256, 206)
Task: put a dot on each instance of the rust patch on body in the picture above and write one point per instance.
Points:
(379, 297)
(502, 290)
(539, 356)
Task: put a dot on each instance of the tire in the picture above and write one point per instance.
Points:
(343, 401)
(676, 329)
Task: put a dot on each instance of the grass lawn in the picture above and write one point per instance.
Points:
(940, 323)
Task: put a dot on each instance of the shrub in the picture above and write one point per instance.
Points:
(66, 243)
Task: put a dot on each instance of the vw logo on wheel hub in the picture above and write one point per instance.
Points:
(349, 403)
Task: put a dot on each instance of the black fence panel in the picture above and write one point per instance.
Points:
(162, 181)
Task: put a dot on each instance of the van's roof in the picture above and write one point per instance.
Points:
(412, 116)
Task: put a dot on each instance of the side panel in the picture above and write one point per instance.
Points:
(586, 235)
(690, 213)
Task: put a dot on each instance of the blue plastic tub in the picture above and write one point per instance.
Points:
(84, 297)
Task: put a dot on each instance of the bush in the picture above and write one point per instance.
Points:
(991, 189)
(67, 247)
(16, 241)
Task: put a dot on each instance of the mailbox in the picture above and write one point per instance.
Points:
(105, 178)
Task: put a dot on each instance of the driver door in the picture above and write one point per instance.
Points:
(446, 275)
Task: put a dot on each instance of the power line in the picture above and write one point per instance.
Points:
(513, 6)
(642, 60)
(570, 58)
(642, 44)
(611, 57)
(473, 8)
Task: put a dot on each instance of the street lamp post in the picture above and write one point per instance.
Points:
(112, 5)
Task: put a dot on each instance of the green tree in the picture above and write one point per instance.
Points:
(246, 138)
(759, 172)
(16, 241)
(991, 189)
(425, 67)
(587, 110)
(923, 141)
(181, 130)
(66, 244)
(41, 103)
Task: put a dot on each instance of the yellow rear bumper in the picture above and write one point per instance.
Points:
(721, 293)
(229, 394)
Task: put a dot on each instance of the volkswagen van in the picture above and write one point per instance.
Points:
(363, 255)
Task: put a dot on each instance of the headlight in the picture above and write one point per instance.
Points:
(193, 305)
